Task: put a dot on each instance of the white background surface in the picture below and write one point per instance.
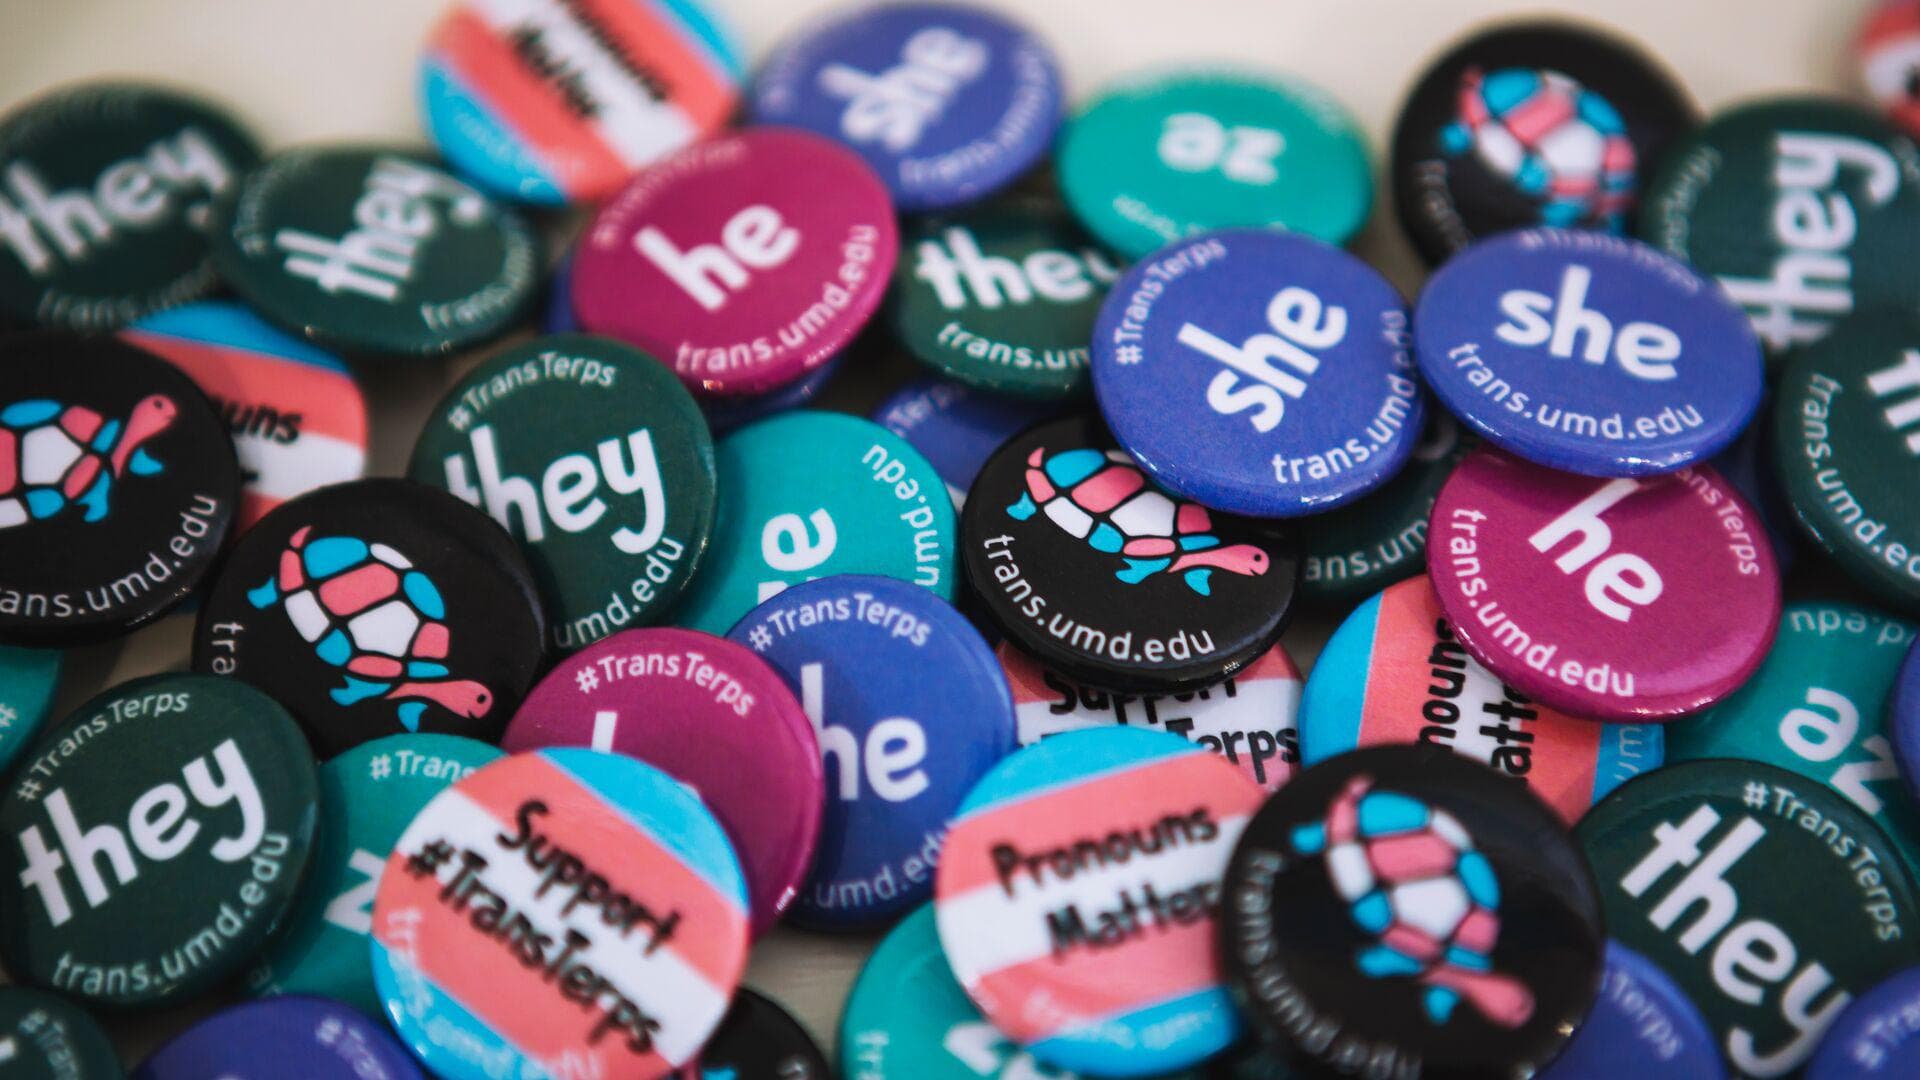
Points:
(304, 70)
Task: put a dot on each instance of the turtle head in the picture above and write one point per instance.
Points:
(1240, 559)
(150, 417)
(461, 696)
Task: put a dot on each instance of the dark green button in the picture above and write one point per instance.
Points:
(1766, 896)
(1847, 449)
(1817, 707)
(597, 460)
(376, 250)
(1805, 209)
(1003, 297)
(151, 844)
(104, 196)
(46, 1037)
(1361, 548)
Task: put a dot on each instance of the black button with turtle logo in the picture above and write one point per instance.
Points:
(1088, 567)
(374, 608)
(117, 486)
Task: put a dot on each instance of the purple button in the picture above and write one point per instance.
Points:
(1630, 599)
(308, 1037)
(710, 714)
(742, 263)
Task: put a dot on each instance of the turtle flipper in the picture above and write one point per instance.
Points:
(1023, 509)
(95, 500)
(1200, 580)
(1439, 1002)
(264, 596)
(410, 714)
(355, 691)
(43, 503)
(1139, 570)
(143, 463)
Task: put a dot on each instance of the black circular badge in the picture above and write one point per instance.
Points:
(375, 249)
(375, 608)
(117, 486)
(1099, 575)
(104, 197)
(1403, 911)
(44, 1036)
(1529, 124)
(759, 1040)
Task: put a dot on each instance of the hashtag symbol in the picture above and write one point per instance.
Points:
(1757, 794)
(29, 789)
(586, 680)
(760, 639)
(380, 767)
(7, 716)
(428, 860)
(460, 418)
(1127, 355)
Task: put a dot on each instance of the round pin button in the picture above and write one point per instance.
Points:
(368, 796)
(374, 608)
(1732, 201)
(1078, 895)
(117, 487)
(956, 427)
(1588, 353)
(153, 841)
(1094, 572)
(373, 249)
(47, 1037)
(1527, 124)
(1188, 151)
(1846, 444)
(1627, 600)
(1002, 297)
(563, 909)
(1641, 1025)
(108, 190)
(1200, 350)
(597, 461)
(28, 679)
(710, 714)
(743, 262)
(1903, 720)
(1752, 888)
(1875, 1035)
(758, 1038)
(555, 103)
(947, 102)
(297, 416)
(558, 317)
(1381, 537)
(1248, 718)
(308, 1037)
(911, 709)
(1455, 930)
(1817, 707)
(809, 494)
(1395, 672)
(1887, 54)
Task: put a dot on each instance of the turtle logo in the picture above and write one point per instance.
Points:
(1104, 500)
(53, 456)
(366, 610)
(1413, 881)
(1553, 139)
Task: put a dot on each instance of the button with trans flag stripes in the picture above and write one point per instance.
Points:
(1077, 899)
(566, 912)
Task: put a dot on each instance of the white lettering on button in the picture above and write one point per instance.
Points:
(757, 236)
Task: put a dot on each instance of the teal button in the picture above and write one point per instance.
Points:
(1190, 151)
(808, 494)
(368, 797)
(1817, 707)
(28, 678)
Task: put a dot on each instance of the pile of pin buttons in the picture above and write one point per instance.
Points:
(501, 768)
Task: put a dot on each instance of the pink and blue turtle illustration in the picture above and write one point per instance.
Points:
(53, 456)
(365, 609)
(1104, 500)
(1413, 879)
(1552, 139)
